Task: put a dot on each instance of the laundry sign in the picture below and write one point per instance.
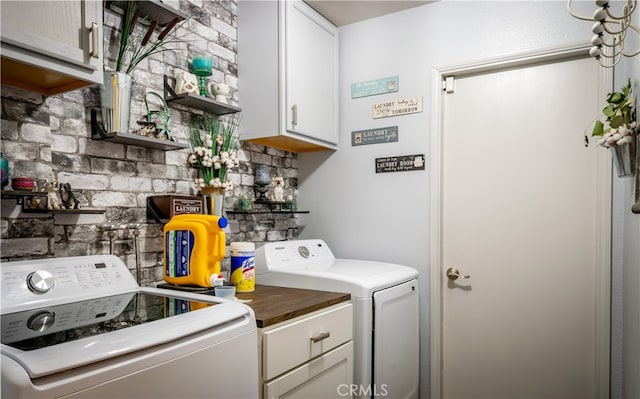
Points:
(400, 163)
(373, 87)
(374, 136)
(397, 107)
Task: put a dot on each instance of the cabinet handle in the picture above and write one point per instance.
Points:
(320, 337)
(94, 39)
(294, 116)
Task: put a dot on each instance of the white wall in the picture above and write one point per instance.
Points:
(385, 217)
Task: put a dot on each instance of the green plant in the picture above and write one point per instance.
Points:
(214, 150)
(620, 119)
(138, 44)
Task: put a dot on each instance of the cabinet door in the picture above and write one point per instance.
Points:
(325, 377)
(311, 73)
(62, 36)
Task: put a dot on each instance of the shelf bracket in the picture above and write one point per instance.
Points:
(169, 94)
(97, 129)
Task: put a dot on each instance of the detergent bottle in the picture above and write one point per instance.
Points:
(194, 245)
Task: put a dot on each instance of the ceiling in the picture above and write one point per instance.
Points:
(344, 12)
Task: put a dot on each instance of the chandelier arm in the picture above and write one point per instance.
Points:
(573, 14)
(622, 24)
(635, 28)
(627, 14)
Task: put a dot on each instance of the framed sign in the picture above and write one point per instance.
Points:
(373, 87)
(397, 107)
(401, 163)
(374, 136)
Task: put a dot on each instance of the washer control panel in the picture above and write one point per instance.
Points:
(29, 283)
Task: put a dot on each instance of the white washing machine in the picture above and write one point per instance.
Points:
(81, 327)
(385, 297)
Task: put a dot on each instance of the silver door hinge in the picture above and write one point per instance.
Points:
(447, 84)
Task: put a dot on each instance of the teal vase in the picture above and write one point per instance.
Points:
(4, 164)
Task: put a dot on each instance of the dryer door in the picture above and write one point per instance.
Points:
(396, 341)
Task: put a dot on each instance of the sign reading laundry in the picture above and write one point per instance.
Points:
(374, 136)
(373, 87)
(397, 107)
(400, 163)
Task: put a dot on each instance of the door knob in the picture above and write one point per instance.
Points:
(454, 274)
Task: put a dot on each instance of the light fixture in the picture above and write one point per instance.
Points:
(610, 30)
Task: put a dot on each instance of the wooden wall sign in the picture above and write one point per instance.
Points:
(374, 136)
(373, 87)
(400, 163)
(397, 107)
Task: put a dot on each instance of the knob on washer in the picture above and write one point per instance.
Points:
(40, 281)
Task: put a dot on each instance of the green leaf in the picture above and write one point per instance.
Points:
(615, 98)
(616, 121)
(608, 111)
(598, 129)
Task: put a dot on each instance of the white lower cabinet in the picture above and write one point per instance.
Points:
(310, 356)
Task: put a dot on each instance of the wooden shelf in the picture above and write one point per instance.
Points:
(197, 102)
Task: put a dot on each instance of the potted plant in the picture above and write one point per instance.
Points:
(136, 43)
(214, 151)
(618, 130)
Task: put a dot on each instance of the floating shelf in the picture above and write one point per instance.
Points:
(26, 198)
(258, 212)
(98, 133)
(150, 8)
(198, 102)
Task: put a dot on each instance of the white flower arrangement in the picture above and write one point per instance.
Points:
(215, 142)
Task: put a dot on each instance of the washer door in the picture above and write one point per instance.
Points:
(396, 341)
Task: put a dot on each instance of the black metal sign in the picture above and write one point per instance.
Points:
(400, 163)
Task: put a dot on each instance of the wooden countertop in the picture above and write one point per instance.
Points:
(273, 305)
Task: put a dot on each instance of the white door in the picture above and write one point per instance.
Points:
(522, 208)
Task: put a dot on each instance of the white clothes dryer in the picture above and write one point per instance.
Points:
(385, 297)
(81, 327)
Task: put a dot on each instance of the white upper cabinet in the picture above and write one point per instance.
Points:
(287, 76)
(51, 46)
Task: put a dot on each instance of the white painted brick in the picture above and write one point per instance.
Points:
(185, 187)
(45, 153)
(202, 30)
(9, 130)
(56, 106)
(84, 182)
(14, 247)
(163, 186)
(136, 184)
(101, 148)
(177, 158)
(110, 198)
(224, 28)
(36, 133)
(18, 150)
(62, 143)
(197, 3)
(222, 52)
(75, 127)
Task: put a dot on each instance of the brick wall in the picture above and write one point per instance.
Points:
(50, 138)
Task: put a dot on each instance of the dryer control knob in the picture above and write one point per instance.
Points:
(40, 281)
(41, 321)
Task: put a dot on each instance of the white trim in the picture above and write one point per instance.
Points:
(541, 56)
